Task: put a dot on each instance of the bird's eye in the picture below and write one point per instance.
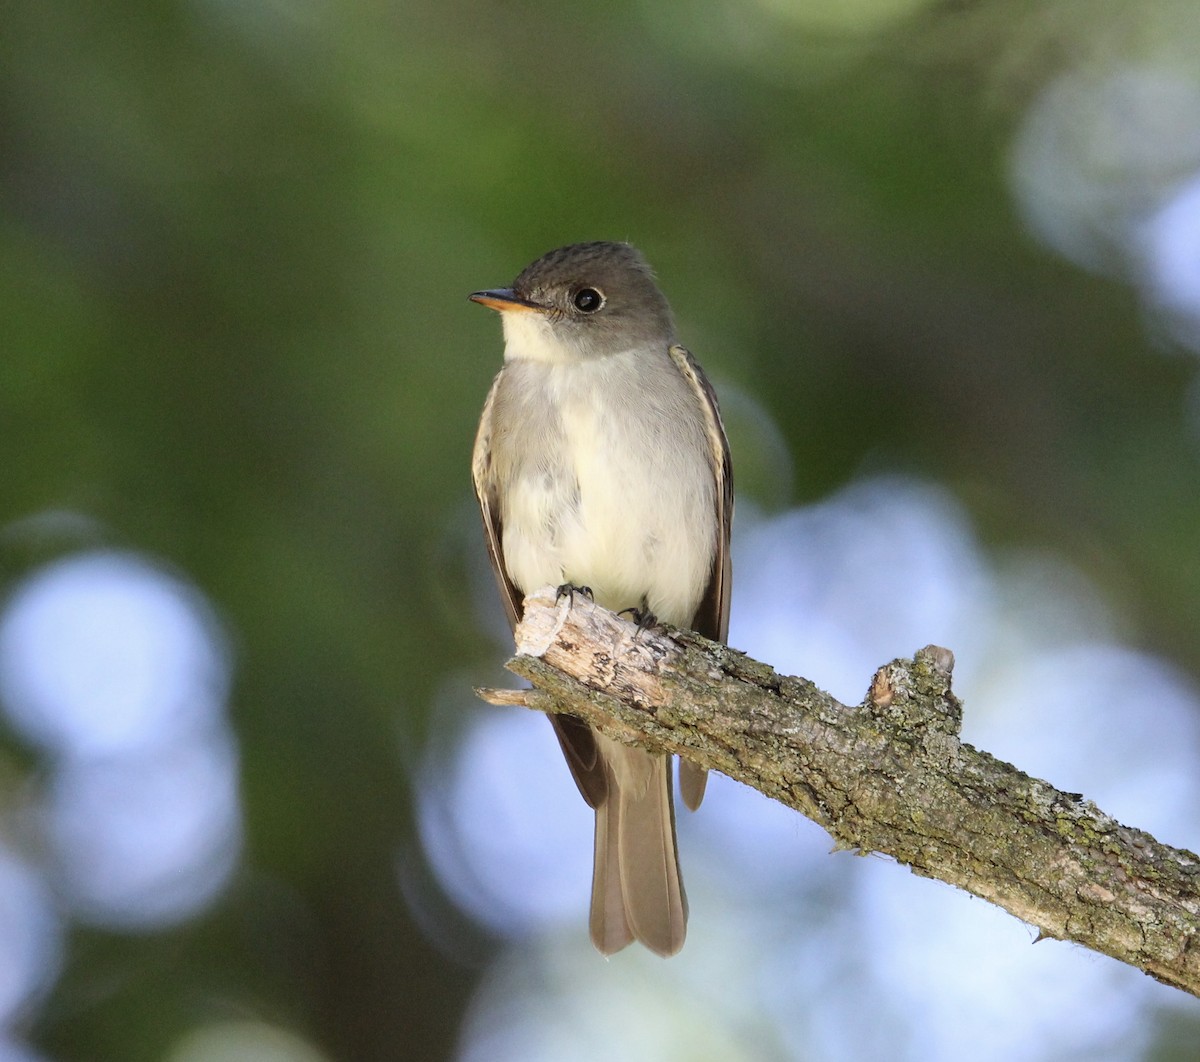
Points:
(587, 300)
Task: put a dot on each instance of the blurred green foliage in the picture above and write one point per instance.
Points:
(235, 244)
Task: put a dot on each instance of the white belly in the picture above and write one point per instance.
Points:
(625, 504)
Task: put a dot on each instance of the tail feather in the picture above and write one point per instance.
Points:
(608, 923)
(637, 890)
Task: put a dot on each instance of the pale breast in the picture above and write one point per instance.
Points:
(607, 481)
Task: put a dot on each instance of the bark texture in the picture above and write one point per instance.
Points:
(888, 775)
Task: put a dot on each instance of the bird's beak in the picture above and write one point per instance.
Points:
(505, 299)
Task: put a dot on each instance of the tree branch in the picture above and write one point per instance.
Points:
(889, 775)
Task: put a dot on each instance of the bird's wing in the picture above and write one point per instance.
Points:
(574, 736)
(489, 506)
(712, 615)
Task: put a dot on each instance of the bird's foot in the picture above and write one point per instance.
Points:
(643, 617)
(567, 589)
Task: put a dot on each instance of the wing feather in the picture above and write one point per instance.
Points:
(574, 736)
(712, 614)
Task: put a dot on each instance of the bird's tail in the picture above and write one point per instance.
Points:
(637, 890)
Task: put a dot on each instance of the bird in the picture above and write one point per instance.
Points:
(601, 465)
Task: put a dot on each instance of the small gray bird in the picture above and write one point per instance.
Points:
(601, 463)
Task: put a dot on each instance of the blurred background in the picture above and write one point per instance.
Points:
(942, 262)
